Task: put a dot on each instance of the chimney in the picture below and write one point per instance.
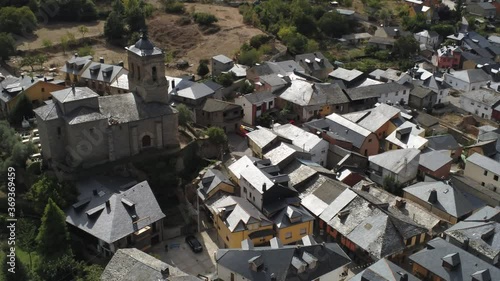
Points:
(76, 55)
(365, 187)
(108, 204)
(433, 197)
(32, 79)
(165, 272)
(465, 245)
(22, 75)
(94, 192)
(73, 88)
(45, 79)
(396, 32)
(173, 84)
(247, 244)
(264, 187)
(273, 277)
(403, 276)
(400, 203)
(101, 59)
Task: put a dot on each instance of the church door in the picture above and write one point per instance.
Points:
(146, 141)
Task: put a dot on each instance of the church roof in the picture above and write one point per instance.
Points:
(144, 47)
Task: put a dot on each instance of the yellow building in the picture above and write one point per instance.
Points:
(213, 183)
(292, 223)
(37, 90)
(74, 68)
(236, 219)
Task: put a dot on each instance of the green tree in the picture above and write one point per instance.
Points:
(185, 115)
(7, 45)
(459, 10)
(330, 20)
(259, 40)
(415, 24)
(405, 46)
(136, 19)
(83, 30)
(22, 109)
(20, 274)
(443, 29)
(17, 20)
(393, 186)
(249, 57)
(295, 42)
(26, 237)
(203, 68)
(247, 88)
(21, 152)
(71, 38)
(204, 18)
(88, 11)
(90, 273)
(40, 59)
(86, 51)
(53, 237)
(217, 136)
(226, 79)
(62, 193)
(29, 61)
(173, 6)
(62, 267)
(47, 43)
(114, 27)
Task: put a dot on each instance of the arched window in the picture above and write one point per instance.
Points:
(146, 141)
(153, 72)
(138, 73)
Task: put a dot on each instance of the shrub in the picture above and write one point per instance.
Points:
(174, 7)
(85, 51)
(259, 40)
(204, 18)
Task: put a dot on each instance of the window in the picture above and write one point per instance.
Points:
(232, 276)
(154, 73)
(146, 141)
(495, 177)
(397, 94)
(270, 104)
(227, 238)
(485, 173)
(303, 231)
(59, 131)
(369, 140)
(288, 235)
(245, 190)
(43, 90)
(482, 184)
(259, 107)
(253, 199)
(471, 103)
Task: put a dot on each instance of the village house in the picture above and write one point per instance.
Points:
(315, 64)
(281, 262)
(448, 57)
(474, 188)
(214, 184)
(480, 102)
(386, 270)
(479, 234)
(446, 262)
(472, 61)
(220, 64)
(114, 213)
(467, 80)
(235, 168)
(350, 77)
(74, 67)
(436, 163)
(483, 9)
(313, 100)
(81, 128)
(254, 105)
(401, 165)
(427, 37)
(383, 43)
(338, 130)
(356, 38)
(271, 83)
(99, 76)
(421, 97)
(390, 93)
(218, 113)
(262, 140)
(445, 142)
(443, 200)
(483, 170)
(378, 120)
(284, 154)
(193, 94)
(408, 135)
(283, 68)
(361, 99)
(37, 90)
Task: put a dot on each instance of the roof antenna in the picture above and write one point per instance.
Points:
(73, 88)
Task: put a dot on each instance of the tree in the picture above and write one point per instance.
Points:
(48, 188)
(20, 21)
(459, 4)
(217, 136)
(173, 7)
(247, 88)
(47, 43)
(136, 19)
(90, 273)
(330, 20)
(29, 61)
(61, 268)
(393, 186)
(71, 38)
(203, 68)
(415, 24)
(295, 42)
(249, 57)
(405, 46)
(7, 45)
(53, 237)
(26, 237)
(40, 59)
(21, 274)
(444, 12)
(88, 11)
(259, 40)
(114, 26)
(204, 18)
(185, 116)
(22, 109)
(83, 30)
(86, 51)
(226, 79)
(443, 29)
(64, 43)
(21, 152)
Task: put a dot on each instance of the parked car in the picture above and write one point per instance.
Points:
(194, 244)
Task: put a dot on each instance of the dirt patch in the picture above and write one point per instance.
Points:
(54, 32)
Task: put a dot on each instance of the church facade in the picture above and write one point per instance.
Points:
(79, 128)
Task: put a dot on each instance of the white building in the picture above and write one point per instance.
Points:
(308, 142)
(483, 170)
(428, 38)
(480, 102)
(400, 164)
(390, 93)
(467, 80)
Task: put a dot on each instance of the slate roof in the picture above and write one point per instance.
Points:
(305, 93)
(428, 33)
(471, 75)
(262, 137)
(371, 228)
(395, 160)
(319, 199)
(427, 120)
(222, 59)
(284, 217)
(239, 165)
(375, 90)
(194, 92)
(274, 80)
(290, 66)
(433, 160)
(115, 222)
(484, 96)
(442, 142)
(410, 136)
(313, 58)
(482, 229)
(280, 262)
(449, 199)
(132, 264)
(299, 137)
(102, 72)
(345, 74)
(259, 97)
(215, 105)
(210, 181)
(282, 153)
(383, 270)
(144, 47)
(373, 119)
(76, 65)
(13, 86)
(431, 259)
(484, 162)
(238, 213)
(382, 40)
(73, 94)
(421, 92)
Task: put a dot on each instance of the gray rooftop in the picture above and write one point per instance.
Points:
(485, 163)
(215, 105)
(210, 181)
(259, 97)
(395, 160)
(319, 199)
(316, 60)
(144, 47)
(281, 262)
(375, 90)
(283, 153)
(102, 72)
(449, 199)
(193, 92)
(305, 93)
(442, 142)
(222, 59)
(431, 259)
(433, 160)
(133, 264)
(484, 96)
(383, 270)
(118, 220)
(471, 75)
(421, 92)
(238, 212)
(373, 119)
(74, 94)
(291, 215)
(345, 74)
(262, 137)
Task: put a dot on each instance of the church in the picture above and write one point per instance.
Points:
(79, 128)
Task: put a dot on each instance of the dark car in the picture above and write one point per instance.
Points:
(194, 244)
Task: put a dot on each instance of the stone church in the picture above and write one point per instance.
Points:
(79, 128)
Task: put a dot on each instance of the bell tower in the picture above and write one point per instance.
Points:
(146, 76)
